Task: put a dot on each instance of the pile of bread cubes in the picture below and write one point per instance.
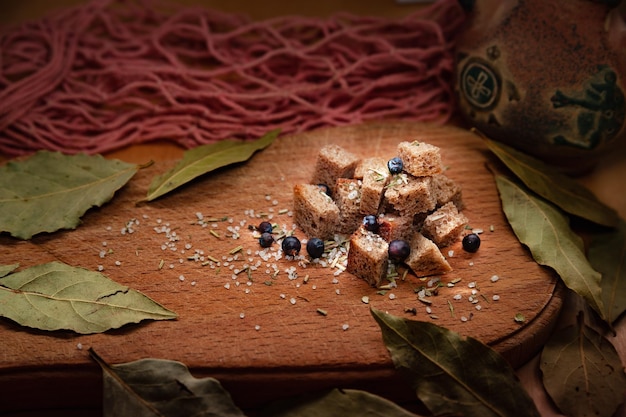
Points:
(419, 205)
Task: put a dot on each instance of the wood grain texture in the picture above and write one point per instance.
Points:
(295, 349)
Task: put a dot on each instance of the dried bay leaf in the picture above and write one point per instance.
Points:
(7, 269)
(545, 230)
(551, 184)
(607, 254)
(451, 374)
(50, 191)
(206, 158)
(56, 296)
(337, 403)
(158, 387)
(582, 372)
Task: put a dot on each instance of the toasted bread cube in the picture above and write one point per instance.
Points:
(425, 258)
(446, 190)
(444, 225)
(348, 200)
(375, 178)
(368, 257)
(396, 227)
(420, 159)
(366, 164)
(314, 211)
(410, 195)
(333, 162)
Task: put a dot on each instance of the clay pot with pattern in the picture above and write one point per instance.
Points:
(545, 76)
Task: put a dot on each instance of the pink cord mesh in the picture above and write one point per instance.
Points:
(112, 73)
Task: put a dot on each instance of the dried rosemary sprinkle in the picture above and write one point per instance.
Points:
(322, 312)
(235, 250)
(451, 308)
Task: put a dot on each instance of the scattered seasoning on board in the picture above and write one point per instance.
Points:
(250, 258)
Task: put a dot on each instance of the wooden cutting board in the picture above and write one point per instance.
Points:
(268, 341)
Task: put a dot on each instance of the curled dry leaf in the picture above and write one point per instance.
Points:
(158, 387)
(545, 230)
(206, 158)
(451, 374)
(559, 189)
(582, 372)
(55, 296)
(50, 191)
(607, 254)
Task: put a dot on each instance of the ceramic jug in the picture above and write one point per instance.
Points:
(545, 76)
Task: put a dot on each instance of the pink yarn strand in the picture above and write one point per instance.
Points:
(113, 73)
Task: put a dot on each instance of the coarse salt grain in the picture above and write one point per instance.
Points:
(242, 315)
(495, 297)
(494, 278)
(257, 327)
(345, 326)
(292, 300)
(392, 296)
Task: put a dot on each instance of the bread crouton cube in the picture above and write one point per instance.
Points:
(368, 257)
(348, 200)
(425, 258)
(410, 195)
(446, 190)
(420, 159)
(396, 227)
(366, 164)
(375, 178)
(333, 162)
(444, 225)
(314, 211)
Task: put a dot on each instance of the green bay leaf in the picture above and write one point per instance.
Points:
(204, 159)
(451, 374)
(56, 296)
(50, 191)
(554, 186)
(582, 372)
(545, 230)
(607, 254)
(7, 269)
(159, 387)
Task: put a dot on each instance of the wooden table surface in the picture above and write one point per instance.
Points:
(606, 181)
